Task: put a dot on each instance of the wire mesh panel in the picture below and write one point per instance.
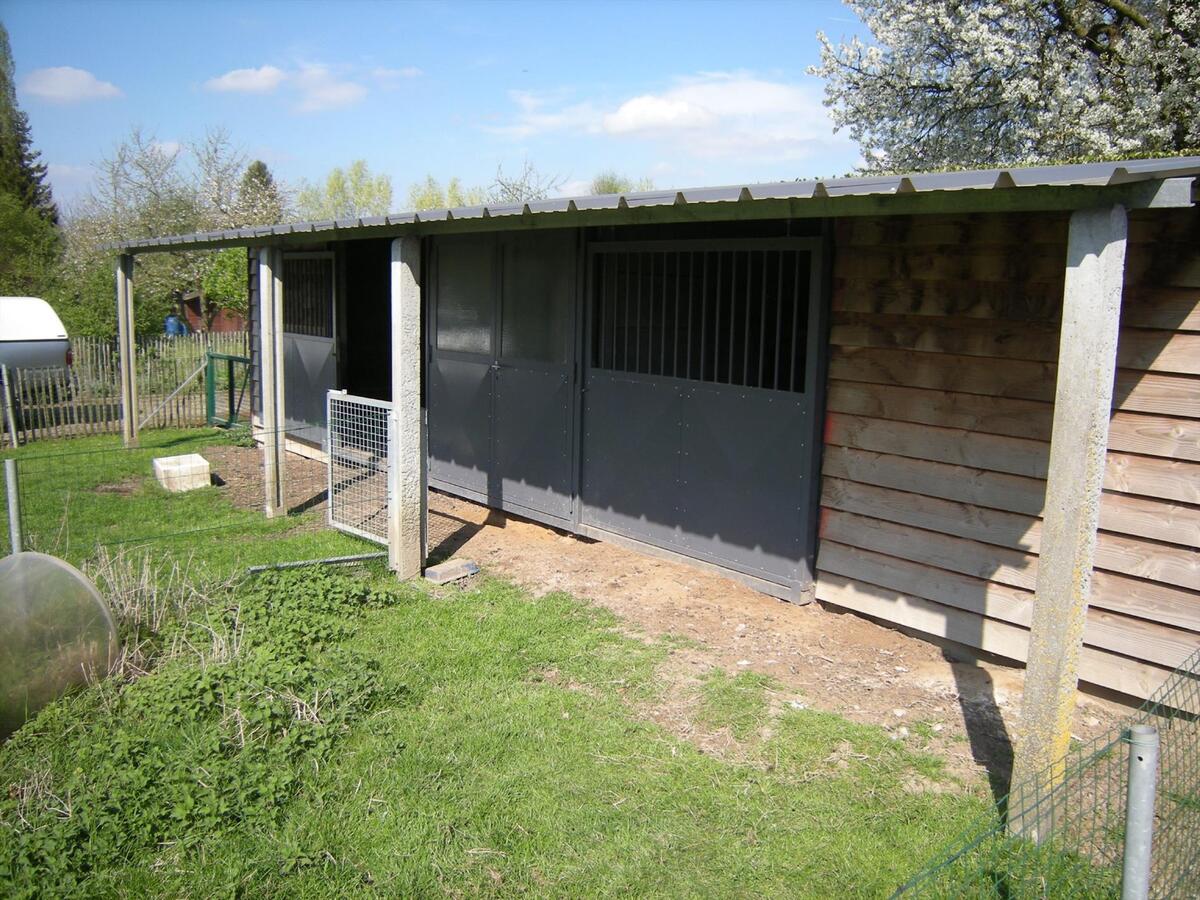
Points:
(358, 465)
(1084, 814)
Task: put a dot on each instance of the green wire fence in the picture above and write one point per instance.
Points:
(1083, 853)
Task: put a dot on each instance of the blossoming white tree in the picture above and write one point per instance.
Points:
(980, 82)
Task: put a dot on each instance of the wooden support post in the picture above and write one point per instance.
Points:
(1087, 359)
(270, 298)
(406, 443)
(127, 348)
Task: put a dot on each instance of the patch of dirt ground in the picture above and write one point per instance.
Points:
(963, 711)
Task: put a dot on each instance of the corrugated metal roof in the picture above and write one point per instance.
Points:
(1101, 174)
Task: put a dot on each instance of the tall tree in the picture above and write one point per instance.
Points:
(612, 182)
(22, 173)
(347, 194)
(529, 184)
(260, 199)
(980, 82)
(430, 194)
(148, 188)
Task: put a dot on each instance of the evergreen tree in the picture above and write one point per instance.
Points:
(260, 201)
(22, 173)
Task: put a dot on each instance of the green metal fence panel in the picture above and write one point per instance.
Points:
(1083, 853)
(226, 383)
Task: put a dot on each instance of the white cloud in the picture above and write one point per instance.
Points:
(709, 115)
(537, 115)
(262, 80)
(320, 89)
(651, 112)
(317, 86)
(66, 84)
(391, 78)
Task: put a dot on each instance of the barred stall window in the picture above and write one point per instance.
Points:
(696, 311)
(308, 295)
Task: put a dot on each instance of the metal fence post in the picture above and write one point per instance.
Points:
(9, 415)
(1139, 812)
(14, 505)
(210, 390)
(231, 414)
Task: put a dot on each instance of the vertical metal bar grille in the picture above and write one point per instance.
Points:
(358, 465)
(308, 296)
(724, 316)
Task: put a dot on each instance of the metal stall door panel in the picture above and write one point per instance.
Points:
(631, 458)
(460, 414)
(460, 367)
(698, 430)
(309, 362)
(309, 373)
(740, 483)
(531, 426)
(533, 442)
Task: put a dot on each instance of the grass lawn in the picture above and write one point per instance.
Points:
(316, 733)
(81, 492)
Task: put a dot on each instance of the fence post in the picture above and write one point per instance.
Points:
(1139, 812)
(14, 505)
(210, 390)
(231, 415)
(9, 416)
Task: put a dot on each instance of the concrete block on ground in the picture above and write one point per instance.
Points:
(182, 473)
(451, 570)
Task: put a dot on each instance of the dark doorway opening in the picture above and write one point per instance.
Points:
(365, 348)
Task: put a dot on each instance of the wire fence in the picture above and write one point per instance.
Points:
(84, 398)
(72, 503)
(1081, 820)
(358, 465)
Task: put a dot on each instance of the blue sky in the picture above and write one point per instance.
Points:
(685, 93)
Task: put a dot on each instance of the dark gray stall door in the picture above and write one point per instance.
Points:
(309, 341)
(698, 404)
(500, 370)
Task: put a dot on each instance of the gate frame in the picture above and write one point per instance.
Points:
(389, 437)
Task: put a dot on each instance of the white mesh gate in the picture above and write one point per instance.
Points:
(358, 465)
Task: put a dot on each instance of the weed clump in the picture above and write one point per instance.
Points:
(258, 689)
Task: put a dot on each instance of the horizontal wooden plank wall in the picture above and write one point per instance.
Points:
(944, 340)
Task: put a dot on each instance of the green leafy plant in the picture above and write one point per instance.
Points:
(215, 738)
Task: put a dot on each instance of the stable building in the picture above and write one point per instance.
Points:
(890, 394)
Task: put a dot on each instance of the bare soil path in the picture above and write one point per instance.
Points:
(963, 711)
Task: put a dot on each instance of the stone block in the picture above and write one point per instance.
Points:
(451, 570)
(182, 473)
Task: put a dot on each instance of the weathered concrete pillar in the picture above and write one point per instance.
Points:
(1087, 359)
(270, 298)
(127, 350)
(406, 444)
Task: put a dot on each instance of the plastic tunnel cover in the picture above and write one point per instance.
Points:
(56, 632)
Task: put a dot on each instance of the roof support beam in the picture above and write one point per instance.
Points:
(270, 299)
(407, 512)
(1149, 194)
(1087, 359)
(127, 350)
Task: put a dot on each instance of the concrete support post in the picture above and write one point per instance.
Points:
(1087, 358)
(270, 298)
(406, 443)
(127, 350)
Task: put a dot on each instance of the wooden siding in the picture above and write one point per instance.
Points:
(944, 338)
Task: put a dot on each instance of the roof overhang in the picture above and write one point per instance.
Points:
(1139, 184)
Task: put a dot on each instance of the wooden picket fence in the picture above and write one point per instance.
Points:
(85, 398)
